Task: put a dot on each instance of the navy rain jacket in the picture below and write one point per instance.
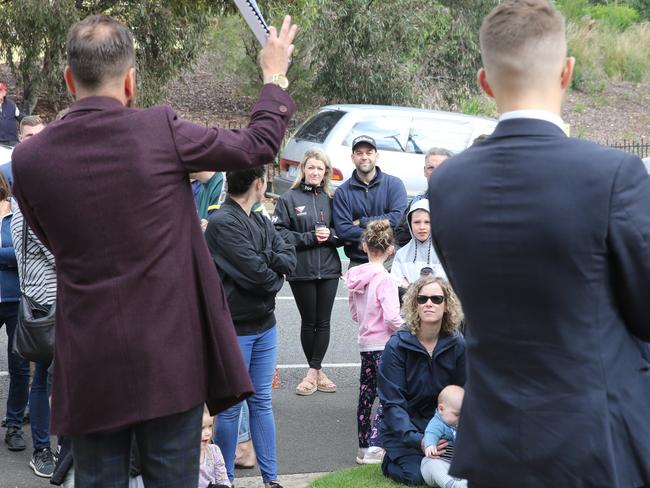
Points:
(409, 383)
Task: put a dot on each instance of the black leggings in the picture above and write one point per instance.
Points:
(315, 300)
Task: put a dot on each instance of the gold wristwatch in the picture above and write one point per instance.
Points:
(280, 80)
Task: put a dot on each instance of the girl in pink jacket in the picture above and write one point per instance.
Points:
(374, 305)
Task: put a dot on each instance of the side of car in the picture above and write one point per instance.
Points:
(403, 136)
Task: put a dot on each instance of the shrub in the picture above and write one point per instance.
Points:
(573, 10)
(618, 17)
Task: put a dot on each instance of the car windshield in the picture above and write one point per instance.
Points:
(389, 132)
(413, 135)
(426, 133)
(317, 128)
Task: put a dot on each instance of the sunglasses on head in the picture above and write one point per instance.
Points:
(437, 299)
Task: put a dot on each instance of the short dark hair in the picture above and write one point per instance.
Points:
(240, 181)
(99, 49)
(30, 121)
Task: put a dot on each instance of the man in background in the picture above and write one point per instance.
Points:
(369, 194)
(433, 158)
(9, 116)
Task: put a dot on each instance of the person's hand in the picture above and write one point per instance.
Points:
(204, 224)
(440, 448)
(405, 283)
(274, 58)
(5, 207)
(322, 234)
(430, 451)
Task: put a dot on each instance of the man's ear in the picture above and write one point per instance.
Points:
(567, 72)
(69, 81)
(481, 76)
(129, 84)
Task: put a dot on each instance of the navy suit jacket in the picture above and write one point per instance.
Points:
(546, 240)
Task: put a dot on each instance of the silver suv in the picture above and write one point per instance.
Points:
(403, 136)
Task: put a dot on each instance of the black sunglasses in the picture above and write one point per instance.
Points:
(437, 299)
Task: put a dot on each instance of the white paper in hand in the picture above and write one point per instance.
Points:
(253, 17)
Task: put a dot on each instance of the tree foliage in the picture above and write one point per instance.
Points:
(168, 35)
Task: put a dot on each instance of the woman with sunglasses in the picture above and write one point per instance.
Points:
(418, 361)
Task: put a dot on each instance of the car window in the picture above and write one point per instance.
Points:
(389, 132)
(319, 126)
(426, 133)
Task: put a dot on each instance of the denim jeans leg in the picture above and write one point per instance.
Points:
(18, 369)
(226, 436)
(262, 423)
(244, 431)
(39, 407)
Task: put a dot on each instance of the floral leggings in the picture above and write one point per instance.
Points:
(367, 428)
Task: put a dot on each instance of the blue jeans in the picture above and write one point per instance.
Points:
(19, 391)
(259, 352)
(244, 431)
(169, 449)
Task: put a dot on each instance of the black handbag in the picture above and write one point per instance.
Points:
(34, 335)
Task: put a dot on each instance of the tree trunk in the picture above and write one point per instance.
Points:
(29, 101)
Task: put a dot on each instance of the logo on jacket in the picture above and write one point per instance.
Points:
(300, 210)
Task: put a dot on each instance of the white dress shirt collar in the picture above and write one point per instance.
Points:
(534, 114)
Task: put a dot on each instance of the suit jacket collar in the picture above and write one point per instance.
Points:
(526, 127)
(89, 104)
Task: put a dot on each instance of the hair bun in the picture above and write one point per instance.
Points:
(379, 225)
(378, 235)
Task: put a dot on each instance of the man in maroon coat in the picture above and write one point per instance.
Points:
(143, 334)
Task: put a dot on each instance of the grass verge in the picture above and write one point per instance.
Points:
(361, 477)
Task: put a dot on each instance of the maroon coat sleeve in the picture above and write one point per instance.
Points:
(207, 148)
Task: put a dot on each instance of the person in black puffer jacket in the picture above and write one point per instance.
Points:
(252, 260)
(303, 216)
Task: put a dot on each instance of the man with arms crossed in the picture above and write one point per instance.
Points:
(143, 332)
(546, 240)
(369, 194)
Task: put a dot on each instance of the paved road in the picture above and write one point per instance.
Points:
(315, 434)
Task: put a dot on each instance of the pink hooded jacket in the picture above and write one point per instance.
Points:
(374, 305)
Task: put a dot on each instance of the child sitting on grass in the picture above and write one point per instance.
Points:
(443, 425)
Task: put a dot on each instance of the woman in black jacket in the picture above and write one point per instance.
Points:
(252, 260)
(303, 216)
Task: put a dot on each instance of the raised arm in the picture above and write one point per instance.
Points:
(200, 148)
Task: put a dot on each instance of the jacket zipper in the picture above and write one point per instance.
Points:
(313, 197)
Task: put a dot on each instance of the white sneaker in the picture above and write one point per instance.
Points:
(374, 455)
(361, 454)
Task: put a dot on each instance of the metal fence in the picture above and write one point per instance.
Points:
(640, 147)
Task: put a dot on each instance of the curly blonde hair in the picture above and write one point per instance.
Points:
(319, 155)
(378, 235)
(453, 315)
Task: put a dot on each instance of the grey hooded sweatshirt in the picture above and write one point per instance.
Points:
(416, 255)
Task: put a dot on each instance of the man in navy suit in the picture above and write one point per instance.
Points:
(546, 240)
